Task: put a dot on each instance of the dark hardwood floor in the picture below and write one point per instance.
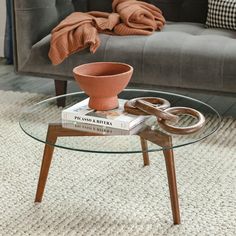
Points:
(224, 103)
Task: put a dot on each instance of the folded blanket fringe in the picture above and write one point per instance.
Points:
(80, 30)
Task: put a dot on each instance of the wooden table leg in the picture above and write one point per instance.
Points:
(60, 89)
(144, 145)
(46, 162)
(55, 130)
(170, 168)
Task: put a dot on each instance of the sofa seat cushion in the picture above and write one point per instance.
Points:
(182, 55)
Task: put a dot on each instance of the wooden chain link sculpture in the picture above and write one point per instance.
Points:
(165, 114)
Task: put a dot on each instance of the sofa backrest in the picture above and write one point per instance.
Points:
(173, 10)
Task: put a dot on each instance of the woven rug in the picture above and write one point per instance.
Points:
(91, 194)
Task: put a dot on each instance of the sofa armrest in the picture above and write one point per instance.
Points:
(33, 20)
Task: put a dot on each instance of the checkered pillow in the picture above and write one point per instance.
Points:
(221, 14)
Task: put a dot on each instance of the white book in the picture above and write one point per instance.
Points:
(97, 129)
(116, 118)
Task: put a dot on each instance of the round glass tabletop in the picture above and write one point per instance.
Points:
(43, 122)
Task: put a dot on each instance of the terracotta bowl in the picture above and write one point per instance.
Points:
(103, 81)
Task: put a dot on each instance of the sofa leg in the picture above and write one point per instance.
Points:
(60, 89)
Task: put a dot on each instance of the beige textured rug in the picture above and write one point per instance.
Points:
(89, 194)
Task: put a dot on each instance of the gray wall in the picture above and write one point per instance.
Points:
(2, 25)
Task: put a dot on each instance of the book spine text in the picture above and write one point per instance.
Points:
(70, 116)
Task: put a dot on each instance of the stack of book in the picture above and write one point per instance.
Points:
(116, 121)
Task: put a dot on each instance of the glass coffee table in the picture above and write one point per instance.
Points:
(43, 123)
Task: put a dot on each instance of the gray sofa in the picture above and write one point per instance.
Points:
(184, 54)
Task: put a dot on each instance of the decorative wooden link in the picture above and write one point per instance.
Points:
(130, 106)
(160, 108)
(151, 109)
(187, 129)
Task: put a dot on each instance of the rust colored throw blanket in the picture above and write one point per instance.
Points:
(137, 17)
(80, 30)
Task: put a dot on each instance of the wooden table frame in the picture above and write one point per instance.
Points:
(156, 137)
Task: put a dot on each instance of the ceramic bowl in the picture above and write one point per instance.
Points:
(103, 81)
